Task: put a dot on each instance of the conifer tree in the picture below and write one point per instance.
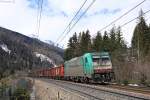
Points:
(119, 36)
(68, 52)
(140, 39)
(113, 39)
(85, 42)
(79, 53)
(97, 42)
(71, 51)
(120, 43)
(88, 39)
(75, 45)
(106, 41)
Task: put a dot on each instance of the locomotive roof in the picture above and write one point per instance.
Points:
(101, 53)
(74, 59)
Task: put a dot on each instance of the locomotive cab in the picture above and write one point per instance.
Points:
(102, 67)
(101, 64)
(97, 66)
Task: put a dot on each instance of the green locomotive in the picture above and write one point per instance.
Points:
(95, 67)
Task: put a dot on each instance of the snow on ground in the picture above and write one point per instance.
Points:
(49, 42)
(133, 84)
(5, 48)
(44, 58)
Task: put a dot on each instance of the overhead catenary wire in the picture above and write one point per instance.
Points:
(111, 22)
(37, 19)
(134, 19)
(71, 20)
(122, 15)
(77, 20)
(39, 16)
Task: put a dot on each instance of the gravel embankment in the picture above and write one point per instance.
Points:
(99, 93)
(47, 91)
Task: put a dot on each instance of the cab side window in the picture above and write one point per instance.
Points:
(86, 60)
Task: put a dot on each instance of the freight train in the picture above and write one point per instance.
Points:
(96, 67)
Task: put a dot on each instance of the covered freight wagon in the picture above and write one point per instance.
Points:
(74, 67)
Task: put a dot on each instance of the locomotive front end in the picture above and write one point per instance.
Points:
(102, 67)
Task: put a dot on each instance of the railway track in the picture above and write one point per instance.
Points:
(143, 90)
(86, 95)
(93, 92)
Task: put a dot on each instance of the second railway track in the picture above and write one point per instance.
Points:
(143, 90)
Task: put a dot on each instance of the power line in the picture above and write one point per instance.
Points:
(78, 20)
(40, 8)
(38, 11)
(108, 24)
(134, 19)
(72, 20)
(122, 15)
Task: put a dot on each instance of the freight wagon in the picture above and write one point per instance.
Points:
(57, 72)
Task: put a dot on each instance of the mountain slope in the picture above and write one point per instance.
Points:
(20, 52)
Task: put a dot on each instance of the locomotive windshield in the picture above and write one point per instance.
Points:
(96, 60)
(101, 61)
(105, 61)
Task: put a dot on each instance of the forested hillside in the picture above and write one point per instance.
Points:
(130, 64)
(19, 52)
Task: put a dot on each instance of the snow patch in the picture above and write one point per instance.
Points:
(49, 42)
(5, 48)
(133, 85)
(44, 58)
(34, 36)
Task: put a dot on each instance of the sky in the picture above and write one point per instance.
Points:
(21, 16)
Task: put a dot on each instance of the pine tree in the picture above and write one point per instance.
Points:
(119, 39)
(106, 42)
(147, 42)
(85, 43)
(97, 42)
(68, 52)
(112, 39)
(79, 53)
(88, 39)
(140, 39)
(75, 45)
(119, 35)
(71, 51)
